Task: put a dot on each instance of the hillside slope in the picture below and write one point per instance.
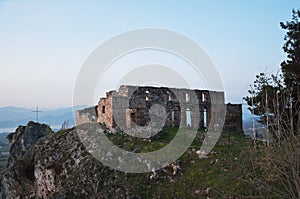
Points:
(59, 166)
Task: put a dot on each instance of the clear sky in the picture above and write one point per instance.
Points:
(43, 44)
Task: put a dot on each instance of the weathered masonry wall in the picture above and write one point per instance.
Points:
(105, 114)
(233, 119)
(131, 106)
(86, 115)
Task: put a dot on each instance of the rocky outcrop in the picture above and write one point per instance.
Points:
(59, 165)
(56, 166)
(19, 171)
(25, 137)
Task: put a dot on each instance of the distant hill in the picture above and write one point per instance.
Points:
(11, 113)
(12, 117)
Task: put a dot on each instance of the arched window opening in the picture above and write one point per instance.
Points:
(188, 118)
(147, 95)
(204, 97)
(204, 117)
(187, 97)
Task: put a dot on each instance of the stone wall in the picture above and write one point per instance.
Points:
(86, 115)
(133, 106)
(105, 110)
(233, 119)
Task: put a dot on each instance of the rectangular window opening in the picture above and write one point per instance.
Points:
(187, 97)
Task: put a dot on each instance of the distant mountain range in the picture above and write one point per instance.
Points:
(11, 117)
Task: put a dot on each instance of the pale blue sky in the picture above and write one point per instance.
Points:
(43, 44)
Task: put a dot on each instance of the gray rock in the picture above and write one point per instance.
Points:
(25, 137)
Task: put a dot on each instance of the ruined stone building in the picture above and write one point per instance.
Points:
(132, 106)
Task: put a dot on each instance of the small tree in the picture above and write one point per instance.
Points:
(291, 66)
(276, 98)
(268, 99)
(284, 88)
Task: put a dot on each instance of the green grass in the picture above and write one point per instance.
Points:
(220, 171)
